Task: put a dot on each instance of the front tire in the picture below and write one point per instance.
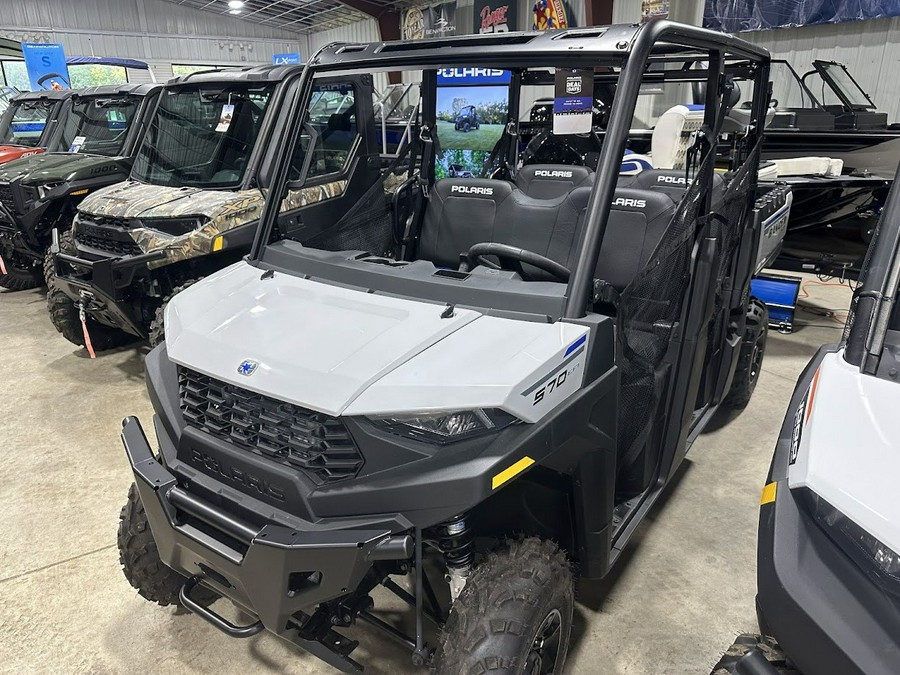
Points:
(64, 313)
(466, 127)
(158, 325)
(140, 561)
(753, 349)
(514, 616)
(21, 276)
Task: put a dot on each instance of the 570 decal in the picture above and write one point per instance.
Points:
(548, 388)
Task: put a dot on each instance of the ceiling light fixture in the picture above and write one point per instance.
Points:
(234, 11)
(235, 4)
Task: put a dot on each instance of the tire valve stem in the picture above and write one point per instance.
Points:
(456, 543)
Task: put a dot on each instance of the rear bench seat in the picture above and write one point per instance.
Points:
(462, 212)
(673, 183)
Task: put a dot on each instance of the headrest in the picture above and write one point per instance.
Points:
(651, 204)
(547, 181)
(473, 188)
(667, 178)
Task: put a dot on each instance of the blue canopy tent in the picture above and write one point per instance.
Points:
(110, 61)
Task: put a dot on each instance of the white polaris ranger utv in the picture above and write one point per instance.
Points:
(829, 524)
(492, 375)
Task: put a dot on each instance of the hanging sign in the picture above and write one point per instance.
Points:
(495, 16)
(429, 22)
(573, 101)
(549, 15)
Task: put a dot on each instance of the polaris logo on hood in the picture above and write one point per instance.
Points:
(546, 173)
(632, 203)
(472, 190)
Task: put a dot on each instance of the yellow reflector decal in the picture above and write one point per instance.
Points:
(768, 494)
(218, 243)
(511, 472)
(79, 192)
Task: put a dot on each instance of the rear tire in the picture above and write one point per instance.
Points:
(21, 277)
(140, 561)
(64, 313)
(753, 349)
(743, 644)
(514, 616)
(158, 325)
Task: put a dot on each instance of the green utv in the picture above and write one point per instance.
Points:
(92, 145)
(195, 194)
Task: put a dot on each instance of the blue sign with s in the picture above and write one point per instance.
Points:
(285, 59)
(46, 65)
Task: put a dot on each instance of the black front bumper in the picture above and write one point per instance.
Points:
(273, 571)
(827, 615)
(102, 284)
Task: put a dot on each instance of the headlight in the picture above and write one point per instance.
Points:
(880, 562)
(447, 427)
(174, 226)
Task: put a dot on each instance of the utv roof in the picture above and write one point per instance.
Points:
(118, 90)
(248, 74)
(595, 45)
(45, 94)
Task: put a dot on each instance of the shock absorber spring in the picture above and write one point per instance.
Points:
(456, 542)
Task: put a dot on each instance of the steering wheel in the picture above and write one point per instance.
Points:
(514, 257)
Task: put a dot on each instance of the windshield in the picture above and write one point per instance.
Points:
(98, 125)
(838, 77)
(202, 135)
(23, 122)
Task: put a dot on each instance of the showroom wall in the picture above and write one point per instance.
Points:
(150, 30)
(870, 49)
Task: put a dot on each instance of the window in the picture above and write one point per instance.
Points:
(98, 125)
(332, 115)
(23, 122)
(15, 75)
(202, 135)
(95, 74)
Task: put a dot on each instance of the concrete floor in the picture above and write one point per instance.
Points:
(681, 592)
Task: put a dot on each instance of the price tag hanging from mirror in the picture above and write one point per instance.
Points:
(573, 101)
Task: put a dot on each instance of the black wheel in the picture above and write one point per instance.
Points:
(64, 313)
(766, 647)
(753, 349)
(513, 617)
(158, 325)
(21, 274)
(466, 127)
(140, 560)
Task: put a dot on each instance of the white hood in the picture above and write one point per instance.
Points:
(318, 346)
(342, 351)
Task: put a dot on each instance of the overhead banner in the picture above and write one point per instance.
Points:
(550, 15)
(740, 15)
(495, 16)
(429, 22)
(46, 65)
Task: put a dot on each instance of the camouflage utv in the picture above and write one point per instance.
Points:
(195, 195)
(97, 134)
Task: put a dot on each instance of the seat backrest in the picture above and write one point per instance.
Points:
(637, 222)
(548, 181)
(673, 183)
(460, 212)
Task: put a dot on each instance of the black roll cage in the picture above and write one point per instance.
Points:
(629, 46)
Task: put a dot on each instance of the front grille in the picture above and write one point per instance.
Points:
(316, 444)
(6, 197)
(117, 246)
(107, 234)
